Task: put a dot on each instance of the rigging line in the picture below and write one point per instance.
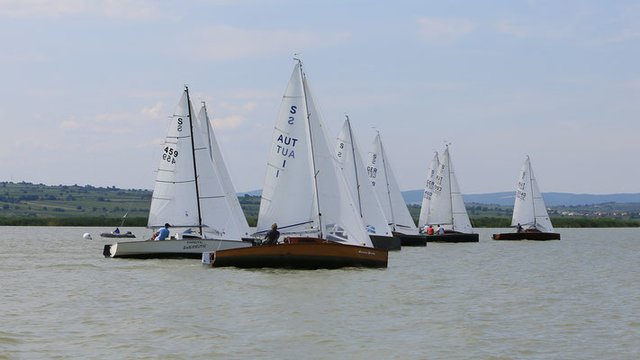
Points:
(355, 170)
(386, 179)
(313, 160)
(193, 154)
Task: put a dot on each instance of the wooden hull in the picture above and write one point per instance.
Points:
(527, 235)
(386, 242)
(188, 248)
(118, 236)
(299, 253)
(453, 238)
(411, 240)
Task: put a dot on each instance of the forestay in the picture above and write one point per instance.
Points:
(348, 156)
(529, 209)
(386, 187)
(304, 190)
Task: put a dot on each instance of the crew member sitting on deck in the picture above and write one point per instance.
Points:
(430, 230)
(162, 234)
(272, 236)
(519, 228)
(440, 230)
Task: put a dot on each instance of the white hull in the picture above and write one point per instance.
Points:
(188, 248)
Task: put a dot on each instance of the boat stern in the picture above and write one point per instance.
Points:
(208, 257)
(107, 251)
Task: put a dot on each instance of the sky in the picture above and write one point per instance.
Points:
(88, 86)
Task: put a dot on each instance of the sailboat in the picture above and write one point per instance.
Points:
(348, 156)
(117, 233)
(386, 187)
(192, 192)
(443, 204)
(306, 194)
(530, 215)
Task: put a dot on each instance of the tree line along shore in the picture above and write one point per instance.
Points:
(27, 204)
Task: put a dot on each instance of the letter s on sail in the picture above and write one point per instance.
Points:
(293, 109)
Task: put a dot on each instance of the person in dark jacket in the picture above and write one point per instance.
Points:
(273, 235)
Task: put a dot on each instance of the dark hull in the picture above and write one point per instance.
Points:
(386, 242)
(411, 240)
(453, 238)
(540, 236)
(299, 253)
(118, 236)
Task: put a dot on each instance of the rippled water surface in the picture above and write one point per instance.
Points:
(578, 298)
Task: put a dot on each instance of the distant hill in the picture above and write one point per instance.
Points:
(250, 193)
(550, 198)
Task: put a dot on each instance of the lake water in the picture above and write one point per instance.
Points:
(578, 298)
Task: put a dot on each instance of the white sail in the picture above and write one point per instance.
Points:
(237, 226)
(355, 172)
(188, 192)
(388, 191)
(529, 209)
(460, 217)
(428, 190)
(304, 190)
(174, 195)
(447, 204)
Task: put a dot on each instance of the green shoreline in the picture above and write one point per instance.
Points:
(478, 222)
(27, 204)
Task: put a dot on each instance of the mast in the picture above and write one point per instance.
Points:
(450, 193)
(386, 179)
(533, 200)
(193, 155)
(355, 170)
(313, 158)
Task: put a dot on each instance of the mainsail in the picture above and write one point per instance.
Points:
(388, 191)
(355, 172)
(529, 209)
(304, 191)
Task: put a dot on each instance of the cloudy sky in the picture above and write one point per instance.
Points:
(88, 85)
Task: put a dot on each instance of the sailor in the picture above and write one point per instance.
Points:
(430, 230)
(519, 228)
(273, 235)
(163, 233)
(440, 230)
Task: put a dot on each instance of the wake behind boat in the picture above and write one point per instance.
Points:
(306, 193)
(193, 192)
(530, 217)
